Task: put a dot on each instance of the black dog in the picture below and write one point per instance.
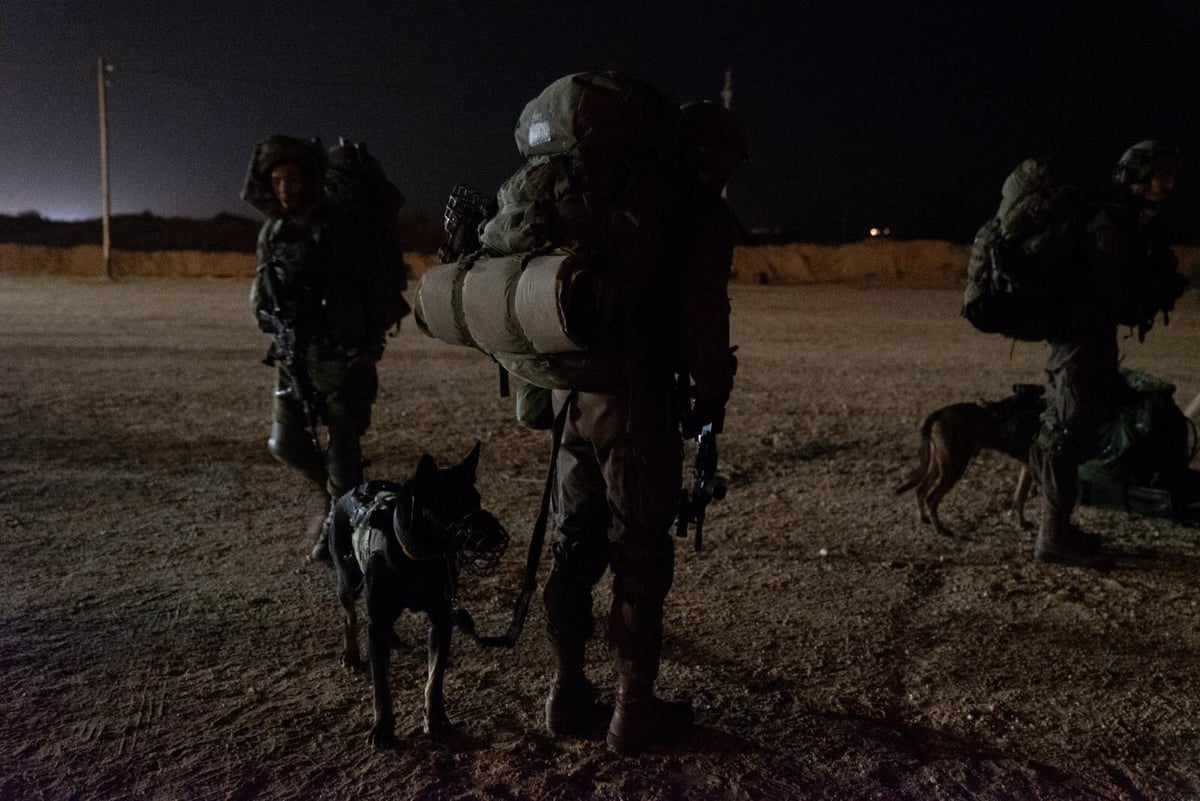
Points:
(402, 546)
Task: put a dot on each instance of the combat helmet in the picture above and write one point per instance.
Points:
(712, 141)
(1140, 162)
(308, 154)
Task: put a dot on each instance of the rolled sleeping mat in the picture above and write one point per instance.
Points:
(552, 303)
(497, 306)
(487, 292)
(438, 306)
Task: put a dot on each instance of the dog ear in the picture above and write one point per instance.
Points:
(426, 468)
(470, 465)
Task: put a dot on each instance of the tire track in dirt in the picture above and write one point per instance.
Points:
(922, 583)
(153, 678)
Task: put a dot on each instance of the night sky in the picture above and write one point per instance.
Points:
(905, 114)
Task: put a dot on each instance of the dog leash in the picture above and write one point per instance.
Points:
(462, 618)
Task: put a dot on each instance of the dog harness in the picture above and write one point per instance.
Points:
(474, 542)
(371, 522)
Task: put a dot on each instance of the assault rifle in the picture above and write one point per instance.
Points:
(1163, 284)
(288, 350)
(466, 208)
(707, 486)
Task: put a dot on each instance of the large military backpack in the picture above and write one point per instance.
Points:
(576, 264)
(1025, 259)
(364, 206)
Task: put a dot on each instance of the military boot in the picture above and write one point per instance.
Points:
(641, 720)
(1060, 542)
(571, 707)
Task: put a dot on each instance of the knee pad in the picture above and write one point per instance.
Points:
(568, 604)
(581, 561)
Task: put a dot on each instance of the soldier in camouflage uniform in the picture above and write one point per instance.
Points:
(305, 281)
(618, 469)
(1128, 277)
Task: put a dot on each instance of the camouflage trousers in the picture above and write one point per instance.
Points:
(1081, 393)
(344, 395)
(616, 497)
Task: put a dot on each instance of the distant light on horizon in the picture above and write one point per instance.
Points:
(56, 213)
(82, 212)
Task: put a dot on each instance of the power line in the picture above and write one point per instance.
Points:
(232, 77)
(275, 81)
(33, 62)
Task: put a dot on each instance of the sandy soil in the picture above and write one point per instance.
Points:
(162, 638)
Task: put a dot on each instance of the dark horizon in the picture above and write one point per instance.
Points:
(907, 117)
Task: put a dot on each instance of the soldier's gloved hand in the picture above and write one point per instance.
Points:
(266, 323)
(704, 411)
(360, 357)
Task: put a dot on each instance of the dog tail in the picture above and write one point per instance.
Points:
(915, 477)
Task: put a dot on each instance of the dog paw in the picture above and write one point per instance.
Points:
(382, 736)
(353, 662)
(437, 723)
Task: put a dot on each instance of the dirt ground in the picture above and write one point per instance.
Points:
(162, 638)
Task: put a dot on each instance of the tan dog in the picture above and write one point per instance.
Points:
(953, 435)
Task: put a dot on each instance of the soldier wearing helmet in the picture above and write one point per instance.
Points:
(618, 468)
(1149, 170)
(1127, 277)
(328, 331)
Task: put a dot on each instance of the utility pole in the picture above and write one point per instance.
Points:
(102, 70)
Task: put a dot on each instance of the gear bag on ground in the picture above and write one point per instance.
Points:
(575, 273)
(1141, 460)
(1023, 260)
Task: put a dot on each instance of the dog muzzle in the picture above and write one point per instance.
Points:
(479, 542)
